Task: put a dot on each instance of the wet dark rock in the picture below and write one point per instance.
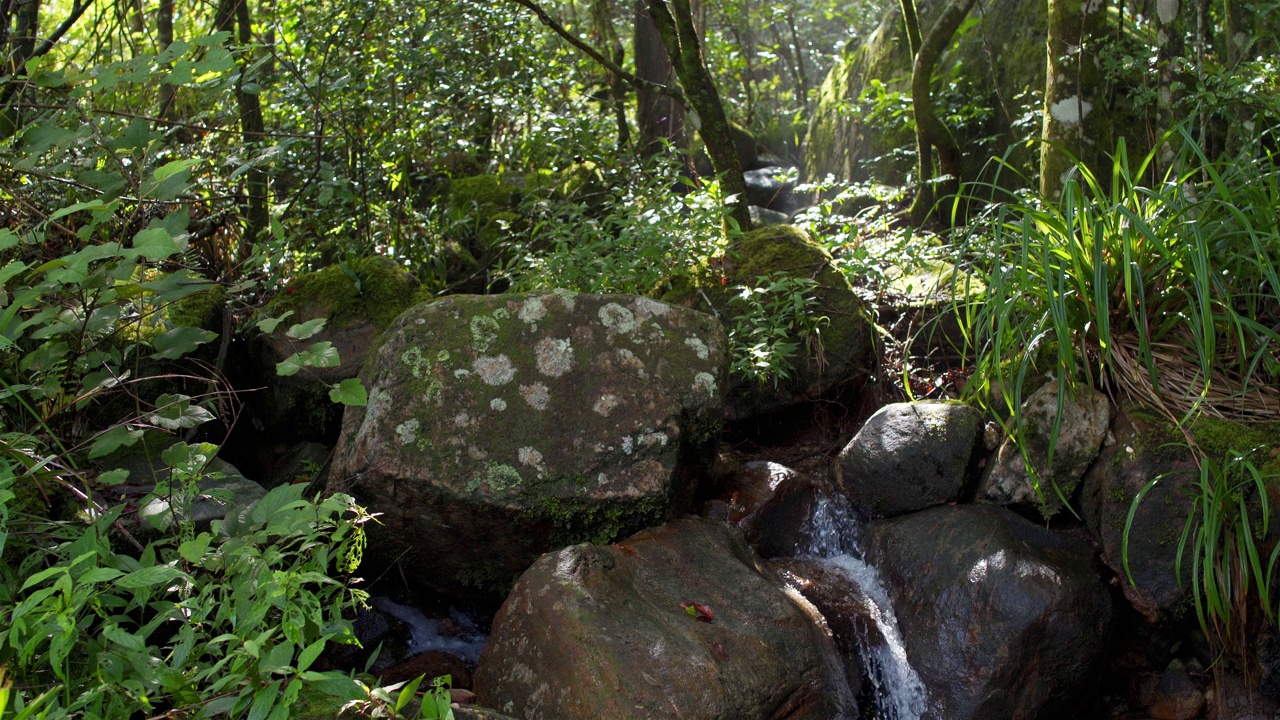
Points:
(433, 664)
(771, 187)
(1175, 696)
(773, 505)
(910, 456)
(849, 615)
(1001, 618)
(614, 632)
(501, 427)
(1140, 453)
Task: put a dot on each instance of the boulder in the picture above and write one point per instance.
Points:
(775, 507)
(357, 302)
(1148, 446)
(677, 621)
(843, 350)
(219, 489)
(1144, 448)
(1084, 421)
(503, 426)
(763, 217)
(1000, 617)
(849, 615)
(910, 456)
(771, 187)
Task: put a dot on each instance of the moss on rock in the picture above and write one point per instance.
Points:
(847, 341)
(375, 288)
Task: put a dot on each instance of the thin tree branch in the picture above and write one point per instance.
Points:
(632, 80)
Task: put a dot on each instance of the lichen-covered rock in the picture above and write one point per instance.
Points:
(1001, 618)
(1084, 421)
(500, 427)
(847, 344)
(614, 632)
(358, 302)
(910, 456)
(852, 139)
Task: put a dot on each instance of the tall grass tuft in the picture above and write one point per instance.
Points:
(1167, 295)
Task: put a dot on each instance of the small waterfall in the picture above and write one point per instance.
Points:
(899, 692)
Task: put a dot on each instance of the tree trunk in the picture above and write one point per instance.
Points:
(659, 118)
(1073, 81)
(602, 18)
(674, 20)
(931, 132)
(164, 38)
(235, 13)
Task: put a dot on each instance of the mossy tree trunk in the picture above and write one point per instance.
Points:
(1073, 84)
(674, 21)
(931, 132)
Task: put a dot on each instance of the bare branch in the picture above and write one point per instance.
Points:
(632, 80)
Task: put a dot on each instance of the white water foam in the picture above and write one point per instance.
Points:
(425, 632)
(899, 692)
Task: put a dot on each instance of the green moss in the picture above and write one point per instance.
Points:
(575, 520)
(376, 288)
(202, 310)
(482, 191)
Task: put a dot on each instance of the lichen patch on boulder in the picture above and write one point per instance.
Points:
(500, 427)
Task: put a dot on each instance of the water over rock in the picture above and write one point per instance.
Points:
(677, 621)
(1000, 617)
(501, 427)
(1085, 417)
(910, 456)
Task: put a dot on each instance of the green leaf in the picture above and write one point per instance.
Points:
(279, 658)
(335, 684)
(155, 244)
(149, 576)
(176, 411)
(302, 331)
(175, 167)
(322, 354)
(349, 392)
(109, 441)
(269, 325)
(311, 652)
(97, 575)
(179, 341)
(195, 548)
(113, 477)
(124, 639)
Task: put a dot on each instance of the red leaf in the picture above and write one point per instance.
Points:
(698, 611)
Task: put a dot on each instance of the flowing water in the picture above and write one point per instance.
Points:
(898, 692)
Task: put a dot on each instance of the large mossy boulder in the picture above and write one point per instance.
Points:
(1001, 618)
(993, 64)
(500, 427)
(678, 621)
(847, 345)
(910, 456)
(357, 302)
(1147, 447)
